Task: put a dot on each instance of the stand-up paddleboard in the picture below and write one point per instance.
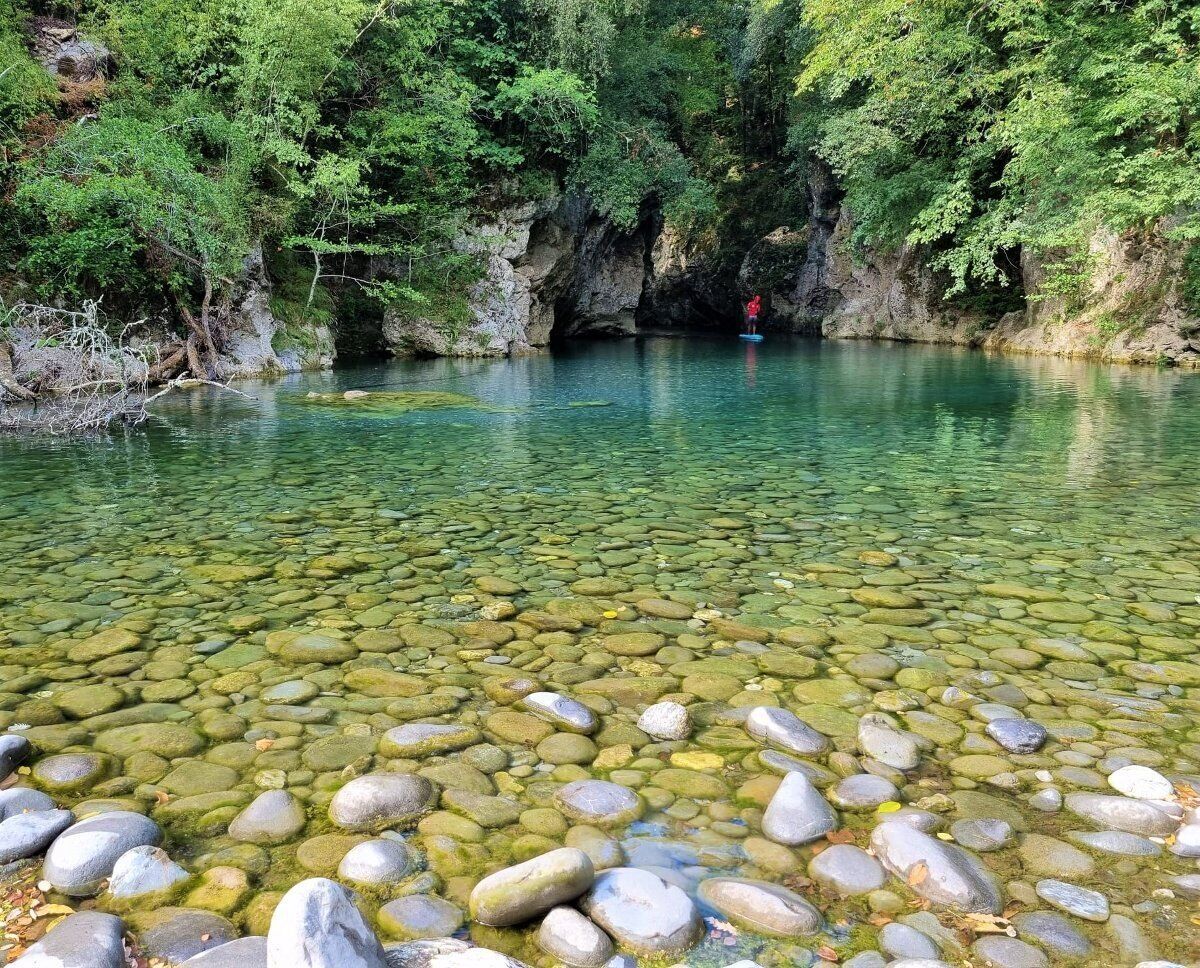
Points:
(752, 337)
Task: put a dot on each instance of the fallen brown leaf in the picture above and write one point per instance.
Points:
(918, 873)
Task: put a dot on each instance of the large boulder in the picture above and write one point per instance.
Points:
(272, 817)
(85, 939)
(942, 873)
(26, 834)
(381, 801)
(524, 891)
(84, 854)
(643, 912)
(316, 925)
(762, 907)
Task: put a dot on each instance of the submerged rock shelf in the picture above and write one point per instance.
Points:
(474, 686)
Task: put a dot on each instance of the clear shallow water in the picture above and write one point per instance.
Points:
(1039, 516)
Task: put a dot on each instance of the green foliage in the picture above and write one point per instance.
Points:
(980, 129)
(555, 107)
(114, 202)
(1191, 279)
(25, 89)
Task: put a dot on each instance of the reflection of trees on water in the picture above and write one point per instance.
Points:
(986, 440)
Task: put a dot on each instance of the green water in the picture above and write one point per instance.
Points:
(1026, 529)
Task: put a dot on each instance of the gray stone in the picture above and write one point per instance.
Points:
(862, 791)
(85, 939)
(666, 721)
(71, 772)
(846, 870)
(901, 941)
(982, 835)
(643, 912)
(26, 834)
(1122, 813)
(760, 906)
(22, 799)
(382, 800)
(178, 934)
(376, 862)
(1115, 842)
(1018, 735)
(522, 892)
(1141, 783)
(1187, 841)
(954, 877)
(569, 937)
(248, 952)
(83, 855)
(316, 925)
(1133, 944)
(867, 959)
(1079, 901)
(418, 740)
(419, 954)
(273, 817)
(144, 870)
(599, 802)
(783, 764)
(1002, 952)
(1052, 931)
(797, 813)
(1049, 800)
(14, 750)
(294, 692)
(1187, 884)
(778, 727)
(475, 958)
(566, 714)
(880, 739)
(417, 916)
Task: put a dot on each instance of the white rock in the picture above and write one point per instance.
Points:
(666, 720)
(1141, 783)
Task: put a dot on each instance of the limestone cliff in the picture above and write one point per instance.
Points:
(551, 269)
(1129, 309)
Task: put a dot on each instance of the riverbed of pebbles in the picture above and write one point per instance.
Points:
(619, 730)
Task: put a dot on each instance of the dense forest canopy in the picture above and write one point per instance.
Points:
(342, 133)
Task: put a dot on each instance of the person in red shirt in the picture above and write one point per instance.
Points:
(752, 310)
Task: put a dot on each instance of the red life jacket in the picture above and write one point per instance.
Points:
(753, 306)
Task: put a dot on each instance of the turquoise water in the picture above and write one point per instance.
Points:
(952, 512)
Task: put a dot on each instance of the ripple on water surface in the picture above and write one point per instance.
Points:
(283, 594)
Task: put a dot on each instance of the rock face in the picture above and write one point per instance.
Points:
(551, 268)
(643, 912)
(86, 939)
(520, 893)
(84, 854)
(316, 925)
(1130, 310)
(258, 342)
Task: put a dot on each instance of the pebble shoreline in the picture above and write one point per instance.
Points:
(875, 763)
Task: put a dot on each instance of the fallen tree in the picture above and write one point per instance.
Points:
(64, 371)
